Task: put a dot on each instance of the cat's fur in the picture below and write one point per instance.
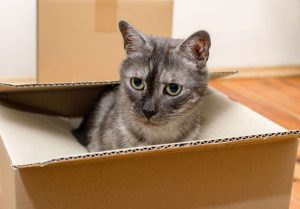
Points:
(117, 120)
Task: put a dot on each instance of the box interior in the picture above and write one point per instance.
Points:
(33, 137)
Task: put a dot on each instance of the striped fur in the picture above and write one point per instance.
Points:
(117, 120)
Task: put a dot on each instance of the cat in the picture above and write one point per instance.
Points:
(163, 82)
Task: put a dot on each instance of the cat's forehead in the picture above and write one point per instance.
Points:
(161, 51)
(159, 63)
(163, 56)
(157, 56)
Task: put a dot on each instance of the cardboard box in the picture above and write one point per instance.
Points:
(80, 40)
(241, 160)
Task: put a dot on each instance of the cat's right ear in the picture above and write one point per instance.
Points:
(196, 47)
(134, 41)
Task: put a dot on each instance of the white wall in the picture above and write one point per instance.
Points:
(17, 39)
(243, 33)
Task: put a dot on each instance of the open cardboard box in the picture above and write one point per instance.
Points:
(241, 160)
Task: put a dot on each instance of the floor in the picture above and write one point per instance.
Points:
(277, 99)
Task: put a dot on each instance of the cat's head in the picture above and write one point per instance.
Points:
(163, 79)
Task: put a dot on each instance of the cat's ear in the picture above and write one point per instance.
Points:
(133, 40)
(196, 47)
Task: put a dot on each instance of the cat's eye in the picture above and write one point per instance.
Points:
(137, 83)
(173, 89)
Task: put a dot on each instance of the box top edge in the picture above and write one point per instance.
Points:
(8, 85)
(58, 84)
(221, 74)
(258, 138)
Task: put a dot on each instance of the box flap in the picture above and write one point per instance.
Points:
(217, 75)
(16, 87)
(58, 101)
(167, 148)
(58, 98)
(11, 86)
(42, 140)
(227, 177)
(30, 137)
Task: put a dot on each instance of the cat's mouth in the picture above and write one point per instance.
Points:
(151, 123)
(155, 123)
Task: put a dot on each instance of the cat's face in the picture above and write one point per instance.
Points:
(163, 79)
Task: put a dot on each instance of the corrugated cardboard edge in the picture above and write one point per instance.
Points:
(292, 134)
(211, 76)
(33, 85)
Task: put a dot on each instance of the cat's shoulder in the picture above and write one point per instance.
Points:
(107, 97)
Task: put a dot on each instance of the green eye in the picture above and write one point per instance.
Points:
(173, 89)
(137, 83)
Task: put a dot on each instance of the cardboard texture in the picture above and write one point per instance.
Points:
(7, 188)
(79, 40)
(241, 160)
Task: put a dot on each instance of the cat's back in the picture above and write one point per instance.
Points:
(104, 106)
(95, 119)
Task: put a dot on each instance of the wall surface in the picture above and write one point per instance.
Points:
(244, 33)
(17, 39)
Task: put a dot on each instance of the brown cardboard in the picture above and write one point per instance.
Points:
(241, 160)
(7, 187)
(231, 178)
(79, 40)
(106, 15)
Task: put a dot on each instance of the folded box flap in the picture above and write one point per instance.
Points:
(59, 98)
(167, 148)
(20, 87)
(217, 75)
(12, 87)
(55, 99)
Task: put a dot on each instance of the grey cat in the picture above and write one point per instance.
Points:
(163, 82)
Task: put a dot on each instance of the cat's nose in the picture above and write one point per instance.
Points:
(149, 108)
(148, 113)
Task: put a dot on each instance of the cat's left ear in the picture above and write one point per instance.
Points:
(196, 47)
(134, 40)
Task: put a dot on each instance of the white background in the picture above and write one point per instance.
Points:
(17, 39)
(243, 33)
